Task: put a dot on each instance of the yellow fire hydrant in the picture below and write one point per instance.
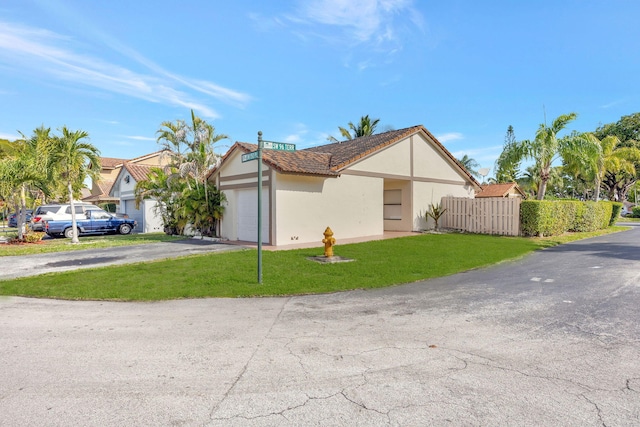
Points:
(328, 241)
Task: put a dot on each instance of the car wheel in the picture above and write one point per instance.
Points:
(125, 229)
(68, 233)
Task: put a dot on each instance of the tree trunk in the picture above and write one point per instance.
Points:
(22, 214)
(542, 188)
(74, 225)
(596, 195)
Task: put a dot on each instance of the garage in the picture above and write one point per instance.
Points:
(248, 215)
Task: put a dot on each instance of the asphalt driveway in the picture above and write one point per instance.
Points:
(552, 339)
(31, 265)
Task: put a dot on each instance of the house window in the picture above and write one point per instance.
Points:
(127, 179)
(392, 204)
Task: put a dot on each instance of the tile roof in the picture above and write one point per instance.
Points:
(138, 172)
(331, 159)
(111, 162)
(299, 162)
(346, 152)
(499, 190)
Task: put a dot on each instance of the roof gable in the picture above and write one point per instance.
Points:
(332, 159)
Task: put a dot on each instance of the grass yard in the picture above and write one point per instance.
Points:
(233, 274)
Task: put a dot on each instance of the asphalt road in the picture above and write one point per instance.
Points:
(552, 339)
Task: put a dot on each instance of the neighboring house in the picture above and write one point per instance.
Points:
(110, 169)
(123, 190)
(362, 187)
(100, 189)
(510, 189)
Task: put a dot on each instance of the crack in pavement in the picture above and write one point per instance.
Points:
(598, 410)
(246, 365)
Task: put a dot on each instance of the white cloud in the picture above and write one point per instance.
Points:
(451, 136)
(354, 22)
(47, 54)
(9, 136)
(139, 138)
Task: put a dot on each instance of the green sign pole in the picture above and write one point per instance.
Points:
(259, 206)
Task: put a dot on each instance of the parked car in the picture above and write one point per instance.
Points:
(58, 212)
(13, 218)
(92, 222)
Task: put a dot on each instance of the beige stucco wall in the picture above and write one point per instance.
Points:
(350, 205)
(392, 160)
(429, 162)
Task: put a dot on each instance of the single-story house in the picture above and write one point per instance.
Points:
(148, 221)
(360, 187)
(509, 189)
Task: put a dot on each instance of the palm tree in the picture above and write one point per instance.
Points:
(74, 160)
(365, 127)
(191, 147)
(470, 165)
(546, 148)
(24, 165)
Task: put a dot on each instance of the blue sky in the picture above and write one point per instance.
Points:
(298, 69)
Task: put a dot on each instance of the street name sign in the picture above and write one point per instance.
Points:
(249, 156)
(281, 146)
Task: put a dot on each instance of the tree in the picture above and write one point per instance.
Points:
(547, 148)
(470, 165)
(191, 150)
(365, 127)
(508, 167)
(24, 164)
(627, 129)
(611, 158)
(74, 160)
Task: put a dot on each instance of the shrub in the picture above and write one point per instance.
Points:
(616, 208)
(33, 237)
(635, 212)
(554, 217)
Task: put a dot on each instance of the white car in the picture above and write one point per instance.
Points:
(58, 211)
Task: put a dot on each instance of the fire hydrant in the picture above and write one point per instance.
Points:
(328, 241)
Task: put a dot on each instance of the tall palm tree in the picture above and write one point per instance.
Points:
(74, 160)
(546, 148)
(470, 165)
(365, 127)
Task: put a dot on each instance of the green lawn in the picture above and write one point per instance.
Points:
(233, 274)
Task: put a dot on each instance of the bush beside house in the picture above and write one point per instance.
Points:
(551, 218)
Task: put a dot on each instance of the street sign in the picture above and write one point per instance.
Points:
(249, 156)
(281, 146)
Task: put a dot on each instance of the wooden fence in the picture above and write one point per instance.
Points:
(491, 215)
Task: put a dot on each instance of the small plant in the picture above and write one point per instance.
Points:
(435, 212)
(635, 212)
(33, 237)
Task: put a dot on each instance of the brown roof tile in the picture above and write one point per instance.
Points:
(138, 172)
(498, 190)
(331, 159)
(111, 162)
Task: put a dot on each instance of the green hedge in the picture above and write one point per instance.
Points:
(554, 217)
(615, 212)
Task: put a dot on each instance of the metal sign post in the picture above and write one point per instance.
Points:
(257, 155)
(259, 206)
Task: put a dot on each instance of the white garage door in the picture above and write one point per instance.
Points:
(248, 215)
(137, 214)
